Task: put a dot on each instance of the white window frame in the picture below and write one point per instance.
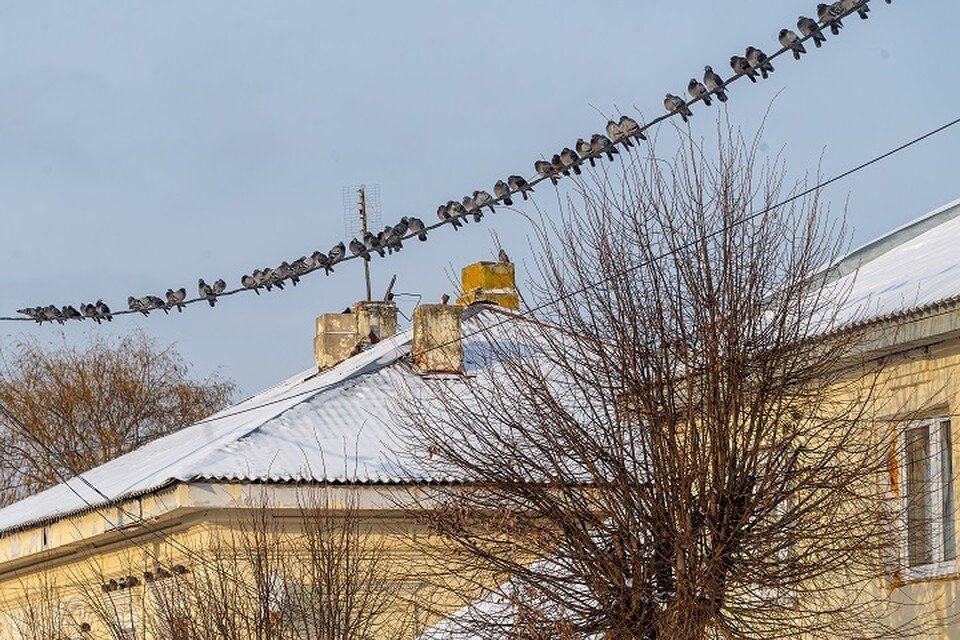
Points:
(939, 567)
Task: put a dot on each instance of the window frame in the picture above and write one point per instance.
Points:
(939, 567)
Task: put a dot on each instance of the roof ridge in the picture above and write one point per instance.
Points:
(891, 240)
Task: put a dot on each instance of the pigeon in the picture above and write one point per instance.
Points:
(416, 226)
(696, 89)
(557, 165)
(675, 104)
(714, 83)
(136, 304)
(790, 40)
(358, 249)
(403, 227)
(740, 66)
(70, 313)
(282, 271)
(219, 286)
(89, 310)
(757, 59)
(503, 257)
(103, 311)
(444, 215)
(546, 170)
(390, 239)
(321, 261)
(809, 27)
(302, 265)
(306, 264)
(829, 16)
(862, 7)
(337, 253)
(271, 280)
(32, 312)
(154, 302)
(631, 128)
(484, 199)
(517, 183)
(617, 135)
(248, 282)
(372, 243)
(456, 212)
(602, 144)
(176, 298)
(206, 292)
(470, 206)
(570, 160)
(585, 149)
(502, 192)
(51, 312)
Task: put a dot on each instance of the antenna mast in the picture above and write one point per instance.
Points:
(363, 230)
(364, 199)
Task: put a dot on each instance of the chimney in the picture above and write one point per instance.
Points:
(436, 338)
(341, 335)
(489, 282)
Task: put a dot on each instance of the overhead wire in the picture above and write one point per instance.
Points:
(139, 521)
(495, 201)
(620, 272)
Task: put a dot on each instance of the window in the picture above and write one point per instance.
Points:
(928, 498)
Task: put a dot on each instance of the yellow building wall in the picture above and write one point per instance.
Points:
(922, 381)
(60, 583)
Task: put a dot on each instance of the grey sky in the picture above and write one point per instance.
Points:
(143, 145)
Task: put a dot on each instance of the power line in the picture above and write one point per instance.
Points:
(489, 327)
(622, 272)
(164, 537)
(498, 200)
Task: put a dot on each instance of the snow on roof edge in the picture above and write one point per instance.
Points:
(893, 239)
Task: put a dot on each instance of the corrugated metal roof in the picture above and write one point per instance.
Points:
(912, 267)
(337, 426)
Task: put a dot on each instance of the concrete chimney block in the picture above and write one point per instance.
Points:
(437, 345)
(376, 317)
(490, 282)
(341, 335)
(336, 339)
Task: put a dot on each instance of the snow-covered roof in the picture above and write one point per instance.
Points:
(337, 426)
(340, 425)
(910, 268)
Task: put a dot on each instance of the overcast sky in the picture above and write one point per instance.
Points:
(143, 145)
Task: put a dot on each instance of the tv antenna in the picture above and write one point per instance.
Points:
(361, 212)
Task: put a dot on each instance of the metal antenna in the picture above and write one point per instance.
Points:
(366, 201)
(363, 229)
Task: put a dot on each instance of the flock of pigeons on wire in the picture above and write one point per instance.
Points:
(622, 133)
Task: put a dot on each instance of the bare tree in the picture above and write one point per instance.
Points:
(83, 406)
(323, 572)
(679, 443)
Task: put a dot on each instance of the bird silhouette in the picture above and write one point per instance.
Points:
(518, 183)
(810, 29)
(790, 40)
(502, 192)
(714, 83)
(206, 292)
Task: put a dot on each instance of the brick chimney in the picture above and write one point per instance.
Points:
(489, 282)
(436, 338)
(341, 335)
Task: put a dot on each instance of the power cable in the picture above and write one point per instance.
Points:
(497, 201)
